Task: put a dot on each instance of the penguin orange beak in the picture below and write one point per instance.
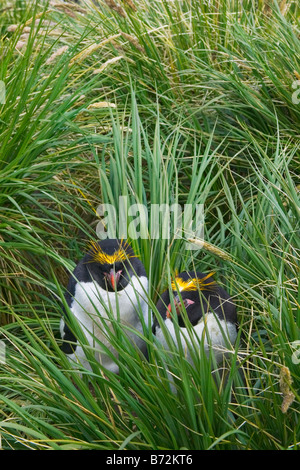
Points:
(178, 305)
(113, 278)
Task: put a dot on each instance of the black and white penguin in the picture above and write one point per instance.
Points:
(208, 309)
(109, 278)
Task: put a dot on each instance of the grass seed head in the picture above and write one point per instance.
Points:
(285, 382)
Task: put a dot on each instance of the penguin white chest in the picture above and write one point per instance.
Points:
(215, 334)
(96, 309)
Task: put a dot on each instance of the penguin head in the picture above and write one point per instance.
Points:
(187, 290)
(181, 303)
(111, 263)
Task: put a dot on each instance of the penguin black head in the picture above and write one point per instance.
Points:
(111, 263)
(197, 294)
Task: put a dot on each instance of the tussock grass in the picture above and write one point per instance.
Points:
(183, 102)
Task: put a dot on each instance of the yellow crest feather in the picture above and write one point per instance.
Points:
(100, 256)
(192, 283)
